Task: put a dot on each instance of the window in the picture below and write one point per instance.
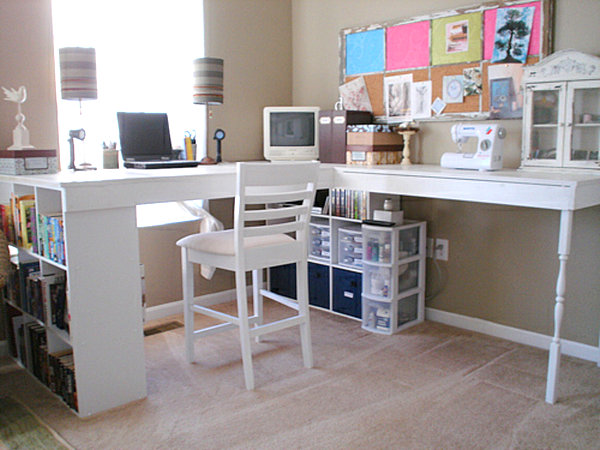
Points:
(144, 54)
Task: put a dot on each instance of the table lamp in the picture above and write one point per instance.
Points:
(78, 82)
(208, 90)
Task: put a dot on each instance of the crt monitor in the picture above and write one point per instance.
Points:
(291, 133)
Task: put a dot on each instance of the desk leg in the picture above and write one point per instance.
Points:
(564, 247)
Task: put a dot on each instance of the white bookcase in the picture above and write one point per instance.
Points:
(102, 330)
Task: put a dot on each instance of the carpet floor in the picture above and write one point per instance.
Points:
(432, 386)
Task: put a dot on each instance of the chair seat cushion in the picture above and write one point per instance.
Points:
(221, 242)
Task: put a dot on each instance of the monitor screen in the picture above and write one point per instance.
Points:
(144, 136)
(292, 129)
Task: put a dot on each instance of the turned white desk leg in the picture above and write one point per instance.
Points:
(564, 247)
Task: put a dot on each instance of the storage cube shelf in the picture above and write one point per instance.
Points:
(35, 299)
(372, 274)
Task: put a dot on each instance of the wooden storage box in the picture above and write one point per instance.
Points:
(373, 138)
(28, 162)
(370, 157)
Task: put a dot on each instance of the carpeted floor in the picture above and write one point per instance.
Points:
(432, 386)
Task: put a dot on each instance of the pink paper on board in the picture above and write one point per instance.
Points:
(489, 30)
(407, 46)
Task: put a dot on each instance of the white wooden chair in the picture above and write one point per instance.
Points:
(279, 237)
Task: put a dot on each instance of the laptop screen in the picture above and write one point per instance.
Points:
(144, 136)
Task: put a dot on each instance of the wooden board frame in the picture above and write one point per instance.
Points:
(476, 108)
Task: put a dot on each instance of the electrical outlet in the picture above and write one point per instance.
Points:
(441, 249)
(429, 250)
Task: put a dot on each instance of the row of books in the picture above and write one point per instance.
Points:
(349, 203)
(42, 296)
(54, 369)
(40, 233)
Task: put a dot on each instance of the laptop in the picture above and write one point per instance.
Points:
(146, 142)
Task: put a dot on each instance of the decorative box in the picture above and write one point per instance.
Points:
(370, 158)
(28, 162)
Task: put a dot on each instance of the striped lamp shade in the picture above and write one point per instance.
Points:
(208, 81)
(78, 73)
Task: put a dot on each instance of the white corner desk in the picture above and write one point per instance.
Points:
(99, 210)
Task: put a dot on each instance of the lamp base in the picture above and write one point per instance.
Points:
(207, 160)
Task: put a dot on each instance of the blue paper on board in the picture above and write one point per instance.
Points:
(365, 52)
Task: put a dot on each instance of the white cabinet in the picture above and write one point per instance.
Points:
(561, 119)
(393, 283)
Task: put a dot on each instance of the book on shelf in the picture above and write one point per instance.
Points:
(24, 216)
(51, 237)
(25, 270)
(61, 376)
(55, 295)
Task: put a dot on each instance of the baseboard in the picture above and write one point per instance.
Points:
(571, 348)
(3, 348)
(176, 307)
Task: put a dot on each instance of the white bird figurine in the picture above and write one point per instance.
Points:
(20, 133)
(15, 96)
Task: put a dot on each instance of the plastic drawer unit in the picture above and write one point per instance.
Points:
(347, 287)
(393, 287)
(350, 250)
(320, 242)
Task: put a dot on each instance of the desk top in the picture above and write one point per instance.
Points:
(548, 189)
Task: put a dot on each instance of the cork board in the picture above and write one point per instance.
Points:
(471, 39)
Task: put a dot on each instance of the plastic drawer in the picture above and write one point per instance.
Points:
(347, 288)
(318, 285)
(350, 247)
(408, 276)
(378, 281)
(377, 315)
(407, 309)
(408, 242)
(377, 245)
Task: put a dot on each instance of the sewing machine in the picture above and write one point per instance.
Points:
(489, 147)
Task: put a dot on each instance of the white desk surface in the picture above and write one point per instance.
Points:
(548, 189)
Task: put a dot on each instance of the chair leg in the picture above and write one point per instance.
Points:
(257, 298)
(302, 297)
(242, 305)
(188, 301)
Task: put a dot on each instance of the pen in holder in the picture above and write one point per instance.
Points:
(110, 156)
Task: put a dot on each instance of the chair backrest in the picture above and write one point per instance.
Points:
(274, 198)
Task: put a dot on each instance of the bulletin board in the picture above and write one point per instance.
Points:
(462, 63)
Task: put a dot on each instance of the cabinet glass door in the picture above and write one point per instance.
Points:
(545, 130)
(583, 120)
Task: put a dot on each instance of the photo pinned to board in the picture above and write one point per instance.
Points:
(513, 31)
(420, 100)
(457, 36)
(355, 96)
(397, 96)
(453, 89)
(506, 98)
(472, 81)
(438, 106)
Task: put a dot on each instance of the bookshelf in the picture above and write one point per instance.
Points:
(64, 324)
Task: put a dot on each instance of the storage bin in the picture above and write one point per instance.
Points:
(347, 287)
(407, 309)
(318, 285)
(377, 315)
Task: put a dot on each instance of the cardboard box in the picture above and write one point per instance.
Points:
(28, 162)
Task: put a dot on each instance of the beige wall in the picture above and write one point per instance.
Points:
(503, 260)
(254, 38)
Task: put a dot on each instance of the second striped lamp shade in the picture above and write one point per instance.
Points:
(208, 81)
(78, 73)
